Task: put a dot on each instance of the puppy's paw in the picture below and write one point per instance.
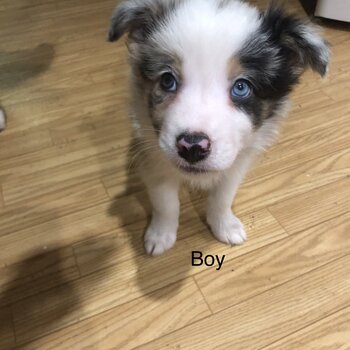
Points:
(159, 239)
(2, 120)
(227, 229)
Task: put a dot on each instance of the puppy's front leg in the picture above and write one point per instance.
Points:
(225, 226)
(161, 233)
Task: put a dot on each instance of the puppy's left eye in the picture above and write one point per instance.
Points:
(241, 89)
(168, 82)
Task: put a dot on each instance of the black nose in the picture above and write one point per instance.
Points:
(193, 147)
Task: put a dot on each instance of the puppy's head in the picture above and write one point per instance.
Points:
(210, 73)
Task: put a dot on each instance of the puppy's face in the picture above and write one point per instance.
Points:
(211, 72)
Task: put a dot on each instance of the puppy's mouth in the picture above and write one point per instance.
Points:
(190, 169)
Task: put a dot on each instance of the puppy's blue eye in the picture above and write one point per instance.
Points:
(168, 82)
(241, 89)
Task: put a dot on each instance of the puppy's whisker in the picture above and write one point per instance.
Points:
(140, 147)
(140, 143)
(142, 151)
(149, 129)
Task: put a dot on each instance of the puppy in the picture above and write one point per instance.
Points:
(210, 83)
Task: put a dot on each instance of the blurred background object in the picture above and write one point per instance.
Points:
(333, 9)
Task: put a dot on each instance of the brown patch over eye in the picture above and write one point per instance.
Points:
(234, 69)
(258, 109)
(150, 64)
(158, 101)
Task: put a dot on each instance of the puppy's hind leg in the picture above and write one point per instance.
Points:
(161, 233)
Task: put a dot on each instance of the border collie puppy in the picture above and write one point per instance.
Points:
(210, 84)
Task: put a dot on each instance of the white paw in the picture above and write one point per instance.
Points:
(159, 238)
(2, 120)
(227, 229)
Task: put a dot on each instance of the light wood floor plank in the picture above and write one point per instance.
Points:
(311, 208)
(63, 230)
(131, 324)
(269, 316)
(58, 106)
(65, 201)
(24, 143)
(275, 264)
(331, 333)
(271, 189)
(306, 101)
(20, 168)
(313, 118)
(58, 178)
(1, 198)
(290, 153)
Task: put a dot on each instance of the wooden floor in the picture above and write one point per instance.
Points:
(73, 273)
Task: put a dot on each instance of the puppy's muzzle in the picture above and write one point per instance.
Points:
(193, 147)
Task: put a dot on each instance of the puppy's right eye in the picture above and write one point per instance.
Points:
(168, 82)
(241, 89)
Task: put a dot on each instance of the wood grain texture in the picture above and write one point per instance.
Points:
(1, 199)
(304, 210)
(7, 335)
(269, 316)
(280, 186)
(293, 152)
(15, 217)
(41, 271)
(331, 333)
(73, 272)
(269, 267)
(134, 323)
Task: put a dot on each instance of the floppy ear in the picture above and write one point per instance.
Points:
(136, 17)
(299, 41)
(129, 16)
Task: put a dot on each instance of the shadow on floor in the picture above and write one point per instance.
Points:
(22, 65)
(39, 272)
(309, 6)
(43, 291)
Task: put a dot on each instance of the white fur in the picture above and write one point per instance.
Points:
(161, 233)
(2, 120)
(313, 36)
(205, 39)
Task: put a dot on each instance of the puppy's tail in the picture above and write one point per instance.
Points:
(2, 119)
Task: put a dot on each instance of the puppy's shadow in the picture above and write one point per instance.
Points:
(19, 66)
(39, 271)
(41, 291)
(152, 272)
